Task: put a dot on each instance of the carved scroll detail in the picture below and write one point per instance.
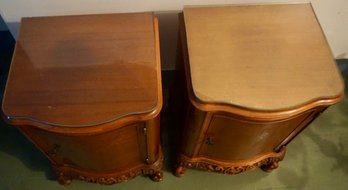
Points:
(267, 163)
(110, 180)
(65, 174)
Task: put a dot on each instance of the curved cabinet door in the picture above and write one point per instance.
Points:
(228, 138)
(118, 149)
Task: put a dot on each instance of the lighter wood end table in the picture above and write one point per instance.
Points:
(255, 77)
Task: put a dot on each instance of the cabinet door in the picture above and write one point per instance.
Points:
(113, 150)
(228, 138)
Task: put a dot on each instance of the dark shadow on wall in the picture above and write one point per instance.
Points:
(168, 31)
(343, 66)
(3, 25)
(6, 50)
(12, 142)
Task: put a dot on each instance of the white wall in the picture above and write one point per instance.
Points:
(332, 14)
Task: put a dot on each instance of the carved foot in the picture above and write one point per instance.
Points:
(270, 167)
(180, 171)
(62, 176)
(158, 176)
(63, 179)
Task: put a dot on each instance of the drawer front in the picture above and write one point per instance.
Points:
(114, 150)
(228, 138)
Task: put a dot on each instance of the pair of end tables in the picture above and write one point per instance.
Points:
(86, 90)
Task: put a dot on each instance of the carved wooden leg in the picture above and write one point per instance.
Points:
(157, 176)
(180, 171)
(270, 166)
(63, 177)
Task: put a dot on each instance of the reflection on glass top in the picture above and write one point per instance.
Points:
(262, 57)
(83, 70)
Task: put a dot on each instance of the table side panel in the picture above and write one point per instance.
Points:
(192, 130)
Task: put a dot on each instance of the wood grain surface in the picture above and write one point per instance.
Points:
(261, 57)
(83, 70)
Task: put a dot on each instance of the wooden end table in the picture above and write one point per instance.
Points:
(86, 90)
(255, 76)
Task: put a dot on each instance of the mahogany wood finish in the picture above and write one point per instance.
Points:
(86, 90)
(229, 138)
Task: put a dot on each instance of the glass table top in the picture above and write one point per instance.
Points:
(83, 70)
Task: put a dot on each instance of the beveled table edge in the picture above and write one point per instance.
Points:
(247, 4)
(102, 126)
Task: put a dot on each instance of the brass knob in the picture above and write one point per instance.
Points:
(209, 141)
(54, 150)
